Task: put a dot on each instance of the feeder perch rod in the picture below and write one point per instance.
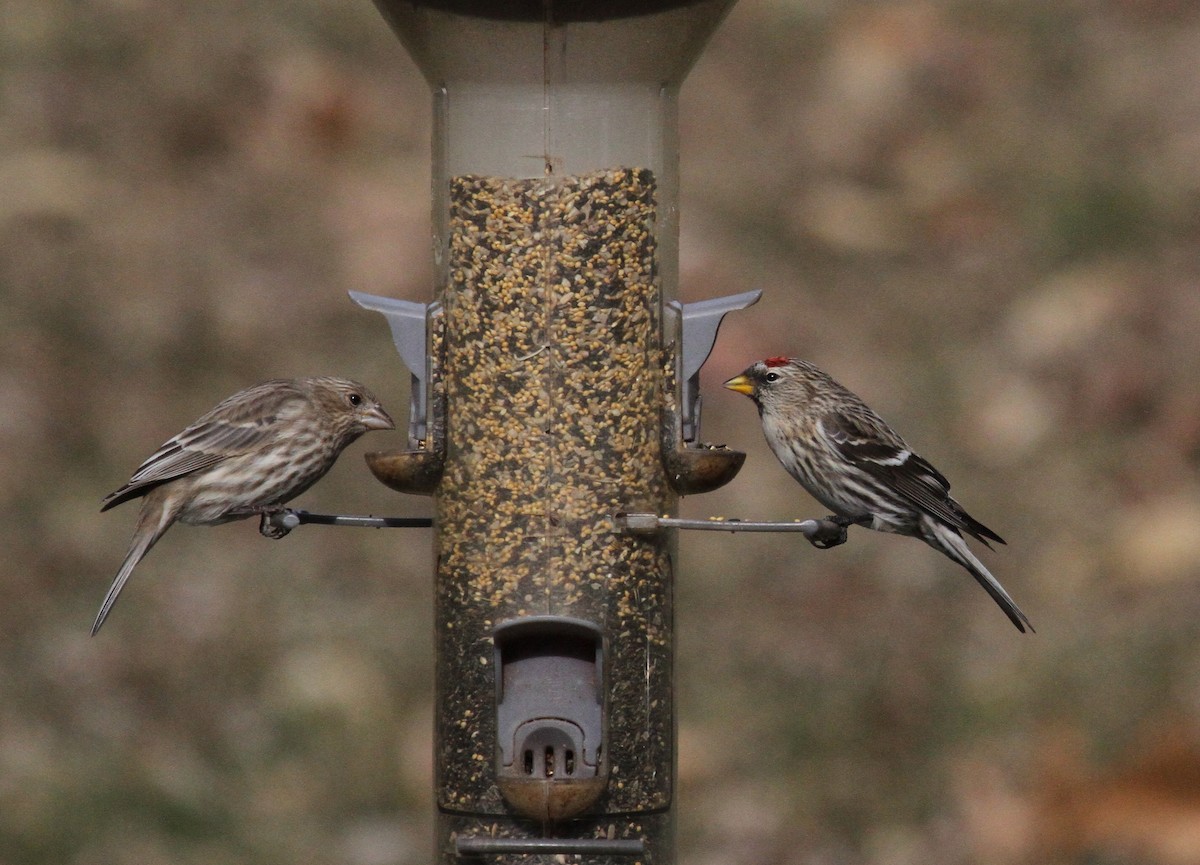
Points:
(822, 533)
(290, 518)
(530, 846)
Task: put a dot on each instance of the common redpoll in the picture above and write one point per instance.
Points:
(856, 465)
(256, 450)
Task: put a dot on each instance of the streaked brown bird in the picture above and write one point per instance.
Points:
(856, 465)
(256, 450)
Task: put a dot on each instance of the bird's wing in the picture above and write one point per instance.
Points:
(870, 444)
(237, 425)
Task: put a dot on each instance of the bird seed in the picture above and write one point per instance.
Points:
(554, 387)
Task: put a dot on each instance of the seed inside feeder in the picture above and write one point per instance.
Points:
(555, 395)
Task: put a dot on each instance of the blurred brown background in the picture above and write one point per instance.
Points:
(982, 216)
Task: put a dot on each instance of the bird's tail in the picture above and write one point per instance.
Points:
(155, 518)
(947, 540)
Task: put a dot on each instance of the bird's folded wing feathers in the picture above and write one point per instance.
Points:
(877, 450)
(228, 430)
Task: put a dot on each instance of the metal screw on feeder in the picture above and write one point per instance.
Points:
(556, 357)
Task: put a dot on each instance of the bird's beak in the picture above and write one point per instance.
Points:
(741, 384)
(377, 418)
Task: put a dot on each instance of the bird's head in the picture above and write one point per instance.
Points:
(774, 383)
(353, 407)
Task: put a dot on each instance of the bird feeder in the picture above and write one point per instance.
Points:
(555, 385)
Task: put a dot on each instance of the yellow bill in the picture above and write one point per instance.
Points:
(741, 384)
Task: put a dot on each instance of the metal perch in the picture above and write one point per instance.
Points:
(277, 524)
(822, 533)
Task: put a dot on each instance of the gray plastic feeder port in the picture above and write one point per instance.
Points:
(550, 716)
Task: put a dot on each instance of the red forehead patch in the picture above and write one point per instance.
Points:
(777, 361)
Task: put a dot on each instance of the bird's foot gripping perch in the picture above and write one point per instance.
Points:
(830, 532)
(276, 523)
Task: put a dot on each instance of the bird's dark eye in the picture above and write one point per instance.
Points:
(355, 399)
(771, 376)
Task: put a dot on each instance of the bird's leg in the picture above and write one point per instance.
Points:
(266, 527)
(831, 532)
